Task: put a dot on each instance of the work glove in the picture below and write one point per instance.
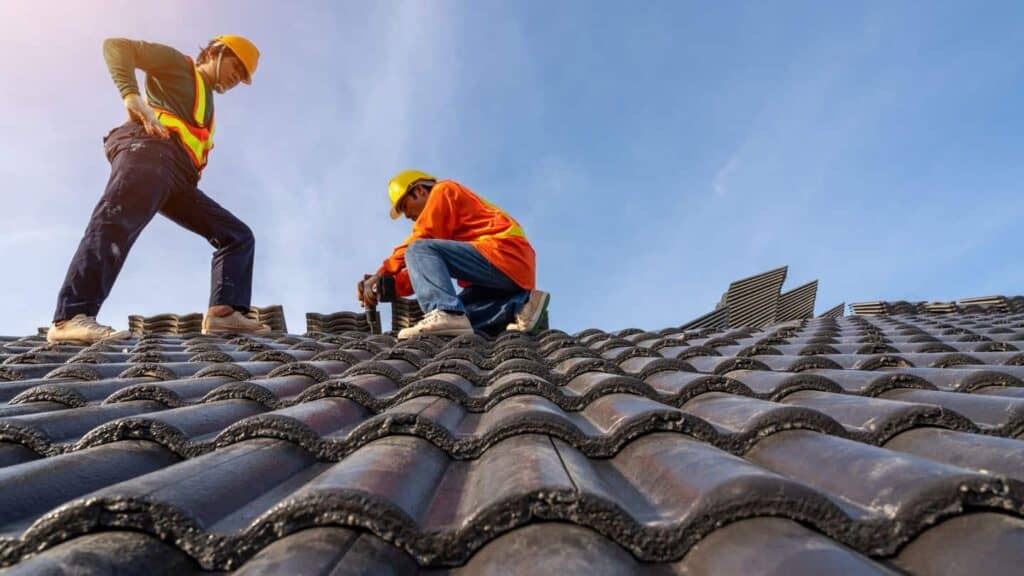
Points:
(142, 113)
(366, 290)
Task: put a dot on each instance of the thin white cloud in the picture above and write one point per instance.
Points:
(720, 185)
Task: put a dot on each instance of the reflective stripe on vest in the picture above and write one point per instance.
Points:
(515, 230)
(197, 139)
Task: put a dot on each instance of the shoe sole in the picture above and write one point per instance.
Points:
(112, 338)
(535, 321)
(206, 330)
(221, 331)
(450, 332)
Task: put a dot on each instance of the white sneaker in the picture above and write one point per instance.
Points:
(234, 323)
(439, 323)
(528, 317)
(82, 328)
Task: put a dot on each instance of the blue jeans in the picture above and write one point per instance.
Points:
(150, 175)
(491, 300)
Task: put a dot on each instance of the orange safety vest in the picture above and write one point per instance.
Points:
(196, 138)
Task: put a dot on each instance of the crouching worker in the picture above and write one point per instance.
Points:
(456, 234)
(156, 159)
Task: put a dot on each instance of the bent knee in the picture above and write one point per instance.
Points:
(421, 246)
(238, 235)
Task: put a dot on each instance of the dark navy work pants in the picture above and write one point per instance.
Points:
(150, 175)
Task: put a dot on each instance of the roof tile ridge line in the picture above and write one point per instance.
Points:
(456, 447)
(185, 535)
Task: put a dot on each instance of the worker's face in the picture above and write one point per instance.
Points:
(412, 204)
(231, 73)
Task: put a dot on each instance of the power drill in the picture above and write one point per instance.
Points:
(384, 288)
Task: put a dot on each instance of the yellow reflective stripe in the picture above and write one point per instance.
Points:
(198, 147)
(199, 110)
(187, 138)
(515, 230)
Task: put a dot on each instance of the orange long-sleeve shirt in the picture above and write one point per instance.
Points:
(454, 212)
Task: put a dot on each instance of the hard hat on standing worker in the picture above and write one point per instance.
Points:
(246, 52)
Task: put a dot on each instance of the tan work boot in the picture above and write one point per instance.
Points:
(234, 323)
(82, 328)
(528, 317)
(439, 323)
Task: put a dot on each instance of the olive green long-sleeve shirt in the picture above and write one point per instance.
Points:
(170, 77)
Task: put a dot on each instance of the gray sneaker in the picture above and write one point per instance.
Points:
(82, 328)
(528, 317)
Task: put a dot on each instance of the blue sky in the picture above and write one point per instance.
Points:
(653, 151)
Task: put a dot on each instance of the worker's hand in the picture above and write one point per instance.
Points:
(367, 290)
(140, 111)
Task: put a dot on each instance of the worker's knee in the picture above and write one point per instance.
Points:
(239, 236)
(420, 247)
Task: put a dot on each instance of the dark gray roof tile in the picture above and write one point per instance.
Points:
(974, 451)
(875, 420)
(996, 415)
(993, 543)
(109, 553)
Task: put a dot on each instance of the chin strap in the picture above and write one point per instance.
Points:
(217, 86)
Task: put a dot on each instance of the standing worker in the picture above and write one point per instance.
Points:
(457, 234)
(156, 159)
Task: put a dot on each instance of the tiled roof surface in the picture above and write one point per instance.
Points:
(867, 445)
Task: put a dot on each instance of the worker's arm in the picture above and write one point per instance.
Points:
(437, 221)
(394, 265)
(123, 57)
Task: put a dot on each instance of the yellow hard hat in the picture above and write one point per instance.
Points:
(245, 50)
(399, 186)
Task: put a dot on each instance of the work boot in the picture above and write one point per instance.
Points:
(528, 317)
(234, 323)
(82, 328)
(439, 323)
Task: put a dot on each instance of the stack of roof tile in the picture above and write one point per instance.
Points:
(192, 323)
(337, 322)
(937, 308)
(175, 324)
(866, 445)
(978, 305)
(873, 308)
(1016, 304)
(798, 303)
(405, 313)
(716, 319)
(754, 301)
(272, 316)
(834, 312)
(758, 301)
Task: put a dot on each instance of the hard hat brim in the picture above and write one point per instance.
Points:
(395, 213)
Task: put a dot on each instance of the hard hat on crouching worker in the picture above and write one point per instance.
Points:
(401, 184)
